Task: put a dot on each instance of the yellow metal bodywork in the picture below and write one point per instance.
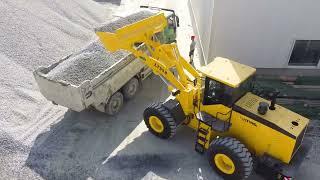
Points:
(261, 139)
(273, 134)
(276, 133)
(227, 72)
(281, 117)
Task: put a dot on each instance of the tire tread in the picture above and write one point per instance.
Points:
(166, 116)
(239, 150)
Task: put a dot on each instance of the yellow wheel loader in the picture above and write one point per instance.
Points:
(235, 127)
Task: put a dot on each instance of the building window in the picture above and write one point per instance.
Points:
(305, 53)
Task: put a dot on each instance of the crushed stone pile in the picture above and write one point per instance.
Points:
(92, 60)
(37, 33)
(113, 26)
(86, 64)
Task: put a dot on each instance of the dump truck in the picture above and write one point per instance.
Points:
(95, 78)
(104, 92)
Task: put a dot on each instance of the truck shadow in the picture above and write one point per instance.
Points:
(75, 147)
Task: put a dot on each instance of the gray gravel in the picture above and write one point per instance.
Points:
(94, 59)
(39, 140)
(86, 64)
(113, 26)
(33, 34)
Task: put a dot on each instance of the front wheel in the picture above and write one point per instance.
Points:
(230, 158)
(159, 121)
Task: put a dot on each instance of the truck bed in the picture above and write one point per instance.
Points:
(79, 84)
(85, 64)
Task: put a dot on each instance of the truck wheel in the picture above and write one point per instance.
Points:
(114, 103)
(230, 158)
(130, 88)
(159, 121)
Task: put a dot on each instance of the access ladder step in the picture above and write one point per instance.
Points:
(203, 131)
(203, 139)
(199, 148)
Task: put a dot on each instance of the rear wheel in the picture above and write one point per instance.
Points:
(159, 121)
(114, 103)
(130, 88)
(230, 158)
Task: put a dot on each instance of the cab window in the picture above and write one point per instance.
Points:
(171, 22)
(216, 93)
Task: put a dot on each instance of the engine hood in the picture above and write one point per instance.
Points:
(281, 119)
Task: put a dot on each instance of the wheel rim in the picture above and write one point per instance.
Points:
(132, 89)
(224, 163)
(156, 124)
(115, 104)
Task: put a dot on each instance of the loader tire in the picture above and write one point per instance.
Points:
(159, 121)
(114, 103)
(130, 88)
(230, 158)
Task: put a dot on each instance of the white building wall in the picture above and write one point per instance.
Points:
(201, 18)
(260, 33)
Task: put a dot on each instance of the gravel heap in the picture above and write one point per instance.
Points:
(92, 60)
(86, 64)
(113, 26)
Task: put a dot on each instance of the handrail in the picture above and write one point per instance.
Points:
(228, 120)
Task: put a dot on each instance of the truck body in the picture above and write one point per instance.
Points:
(90, 93)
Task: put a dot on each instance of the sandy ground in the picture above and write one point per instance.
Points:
(39, 140)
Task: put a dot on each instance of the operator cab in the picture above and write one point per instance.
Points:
(216, 92)
(221, 88)
(226, 88)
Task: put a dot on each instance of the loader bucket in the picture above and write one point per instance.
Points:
(136, 32)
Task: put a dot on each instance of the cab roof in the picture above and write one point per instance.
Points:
(227, 71)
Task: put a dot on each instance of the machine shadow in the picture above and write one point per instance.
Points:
(75, 147)
(170, 159)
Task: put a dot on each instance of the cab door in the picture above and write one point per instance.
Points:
(216, 99)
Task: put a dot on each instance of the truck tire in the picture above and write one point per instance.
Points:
(159, 121)
(130, 88)
(230, 158)
(114, 103)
